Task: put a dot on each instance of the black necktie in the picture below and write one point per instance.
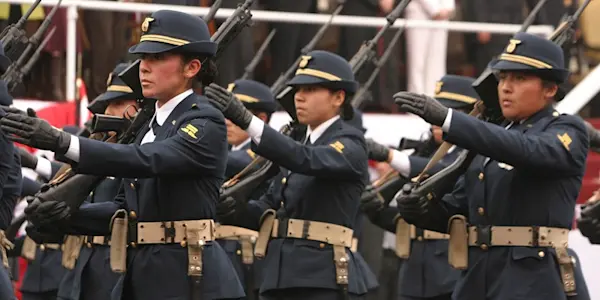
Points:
(154, 125)
(307, 140)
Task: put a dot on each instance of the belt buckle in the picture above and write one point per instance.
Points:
(282, 228)
(484, 236)
(305, 226)
(169, 231)
(535, 236)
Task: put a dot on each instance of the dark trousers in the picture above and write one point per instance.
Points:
(306, 293)
(441, 297)
(388, 276)
(51, 295)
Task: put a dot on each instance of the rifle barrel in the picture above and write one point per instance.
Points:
(532, 15)
(212, 11)
(258, 56)
(359, 97)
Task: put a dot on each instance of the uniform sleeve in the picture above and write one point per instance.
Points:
(344, 157)
(30, 187)
(385, 219)
(94, 218)
(561, 148)
(237, 161)
(196, 148)
(6, 161)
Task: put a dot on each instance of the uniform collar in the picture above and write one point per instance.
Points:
(163, 112)
(241, 145)
(318, 132)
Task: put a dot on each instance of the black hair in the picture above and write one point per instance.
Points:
(208, 72)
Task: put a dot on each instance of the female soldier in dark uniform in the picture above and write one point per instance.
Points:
(316, 193)
(518, 195)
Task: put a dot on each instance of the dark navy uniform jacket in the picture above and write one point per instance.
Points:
(426, 272)
(321, 184)
(532, 178)
(369, 277)
(237, 160)
(92, 278)
(10, 181)
(176, 177)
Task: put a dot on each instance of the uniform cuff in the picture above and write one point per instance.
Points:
(255, 129)
(73, 151)
(400, 163)
(44, 168)
(447, 121)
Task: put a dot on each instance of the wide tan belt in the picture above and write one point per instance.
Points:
(90, 241)
(317, 231)
(29, 248)
(154, 232)
(244, 236)
(338, 236)
(526, 236)
(192, 234)
(484, 237)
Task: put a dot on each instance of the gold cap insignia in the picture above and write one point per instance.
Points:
(512, 45)
(438, 87)
(230, 87)
(109, 80)
(146, 24)
(304, 61)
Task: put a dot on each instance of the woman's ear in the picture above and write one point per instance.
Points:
(550, 90)
(192, 68)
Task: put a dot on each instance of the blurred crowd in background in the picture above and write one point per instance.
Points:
(421, 58)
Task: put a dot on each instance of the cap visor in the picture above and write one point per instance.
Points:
(150, 48)
(305, 80)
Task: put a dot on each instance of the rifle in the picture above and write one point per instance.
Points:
(107, 123)
(360, 95)
(212, 11)
(249, 70)
(16, 71)
(13, 37)
(73, 188)
(366, 51)
(279, 88)
(240, 18)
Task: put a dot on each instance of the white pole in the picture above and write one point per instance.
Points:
(71, 52)
(288, 17)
